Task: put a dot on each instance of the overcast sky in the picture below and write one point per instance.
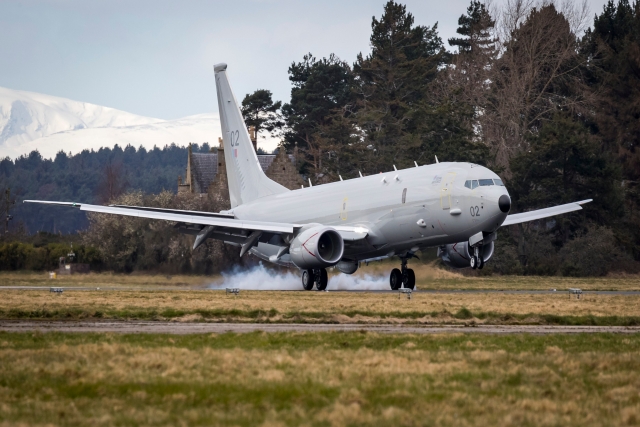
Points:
(155, 58)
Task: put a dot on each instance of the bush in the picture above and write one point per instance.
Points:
(594, 253)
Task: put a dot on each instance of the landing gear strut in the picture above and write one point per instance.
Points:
(403, 277)
(476, 259)
(317, 276)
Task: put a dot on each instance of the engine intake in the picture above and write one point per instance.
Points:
(459, 255)
(316, 247)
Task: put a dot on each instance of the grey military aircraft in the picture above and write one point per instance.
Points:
(454, 207)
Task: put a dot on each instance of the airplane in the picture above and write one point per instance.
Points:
(454, 207)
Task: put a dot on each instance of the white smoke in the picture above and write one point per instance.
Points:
(263, 279)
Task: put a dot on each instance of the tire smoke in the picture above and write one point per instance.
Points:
(263, 279)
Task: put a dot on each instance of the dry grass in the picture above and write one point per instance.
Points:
(102, 280)
(332, 379)
(335, 307)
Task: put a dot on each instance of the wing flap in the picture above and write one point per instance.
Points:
(544, 213)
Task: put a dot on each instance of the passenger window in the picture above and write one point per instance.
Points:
(474, 184)
(486, 182)
(467, 184)
(498, 182)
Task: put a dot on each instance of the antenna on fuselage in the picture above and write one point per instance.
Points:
(394, 168)
(340, 177)
(360, 174)
(437, 159)
(310, 184)
(415, 163)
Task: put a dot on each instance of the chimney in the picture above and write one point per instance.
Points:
(254, 137)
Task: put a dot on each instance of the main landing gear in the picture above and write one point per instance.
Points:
(403, 277)
(317, 276)
(476, 259)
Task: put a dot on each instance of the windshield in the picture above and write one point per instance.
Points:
(483, 183)
(471, 184)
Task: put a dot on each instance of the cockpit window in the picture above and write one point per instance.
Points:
(498, 182)
(485, 182)
(471, 184)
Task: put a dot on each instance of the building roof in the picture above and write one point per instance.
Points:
(204, 167)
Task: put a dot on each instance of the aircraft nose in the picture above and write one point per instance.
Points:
(504, 203)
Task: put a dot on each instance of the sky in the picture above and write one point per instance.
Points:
(155, 58)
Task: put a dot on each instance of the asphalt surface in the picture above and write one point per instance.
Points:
(417, 291)
(133, 327)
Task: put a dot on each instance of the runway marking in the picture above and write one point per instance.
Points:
(134, 327)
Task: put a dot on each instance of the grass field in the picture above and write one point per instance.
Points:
(319, 379)
(323, 307)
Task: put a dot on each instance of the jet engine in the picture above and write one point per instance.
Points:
(316, 247)
(458, 255)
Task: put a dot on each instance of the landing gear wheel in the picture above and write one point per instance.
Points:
(480, 263)
(307, 279)
(474, 262)
(321, 279)
(410, 279)
(395, 279)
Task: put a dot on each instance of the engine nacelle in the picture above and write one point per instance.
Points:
(459, 255)
(316, 247)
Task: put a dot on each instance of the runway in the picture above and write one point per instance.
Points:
(374, 291)
(134, 327)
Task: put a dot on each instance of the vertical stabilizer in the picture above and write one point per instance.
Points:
(247, 181)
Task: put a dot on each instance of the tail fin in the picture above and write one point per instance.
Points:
(247, 181)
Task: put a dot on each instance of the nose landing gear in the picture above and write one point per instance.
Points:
(403, 277)
(476, 259)
(318, 276)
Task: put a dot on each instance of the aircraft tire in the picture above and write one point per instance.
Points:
(307, 279)
(410, 280)
(322, 279)
(395, 279)
(480, 263)
(474, 262)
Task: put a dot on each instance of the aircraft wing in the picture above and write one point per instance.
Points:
(212, 225)
(544, 213)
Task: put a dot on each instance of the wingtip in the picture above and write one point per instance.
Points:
(582, 202)
(219, 67)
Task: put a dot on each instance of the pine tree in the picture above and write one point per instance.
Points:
(321, 95)
(475, 27)
(261, 112)
(392, 85)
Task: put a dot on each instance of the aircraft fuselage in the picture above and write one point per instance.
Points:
(403, 210)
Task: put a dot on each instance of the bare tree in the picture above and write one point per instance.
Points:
(113, 183)
(538, 72)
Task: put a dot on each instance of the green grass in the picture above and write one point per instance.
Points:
(319, 379)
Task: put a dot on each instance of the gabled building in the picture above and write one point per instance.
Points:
(206, 172)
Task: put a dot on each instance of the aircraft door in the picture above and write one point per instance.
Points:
(446, 190)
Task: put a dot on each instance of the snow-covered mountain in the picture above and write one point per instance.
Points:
(30, 121)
